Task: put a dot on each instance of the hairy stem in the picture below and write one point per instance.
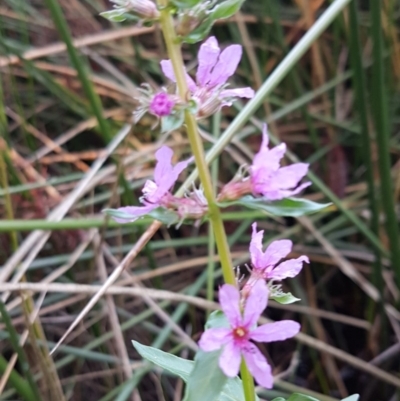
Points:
(175, 55)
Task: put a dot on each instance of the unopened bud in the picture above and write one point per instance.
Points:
(234, 190)
(145, 9)
(191, 19)
(161, 105)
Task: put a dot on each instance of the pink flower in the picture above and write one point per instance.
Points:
(156, 193)
(265, 264)
(161, 105)
(266, 177)
(271, 180)
(215, 67)
(235, 340)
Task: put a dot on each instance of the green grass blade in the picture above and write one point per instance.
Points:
(380, 108)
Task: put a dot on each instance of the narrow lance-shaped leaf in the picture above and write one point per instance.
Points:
(301, 397)
(285, 298)
(206, 380)
(226, 9)
(178, 366)
(290, 207)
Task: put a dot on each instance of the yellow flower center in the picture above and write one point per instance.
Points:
(240, 332)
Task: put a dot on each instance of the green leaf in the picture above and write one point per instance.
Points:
(294, 207)
(177, 366)
(216, 319)
(172, 122)
(301, 397)
(166, 216)
(226, 9)
(183, 4)
(285, 298)
(114, 15)
(206, 380)
(118, 214)
(200, 32)
(279, 399)
(232, 391)
(354, 397)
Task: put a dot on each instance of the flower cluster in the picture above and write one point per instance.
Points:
(252, 299)
(235, 339)
(265, 176)
(207, 95)
(156, 194)
(210, 91)
(264, 179)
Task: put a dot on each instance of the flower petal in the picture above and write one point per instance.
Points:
(168, 70)
(247, 93)
(207, 56)
(226, 65)
(134, 211)
(278, 194)
(256, 251)
(289, 268)
(277, 331)
(165, 175)
(255, 304)
(229, 360)
(213, 339)
(289, 176)
(266, 162)
(258, 365)
(229, 299)
(164, 164)
(276, 251)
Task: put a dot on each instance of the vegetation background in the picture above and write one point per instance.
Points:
(68, 84)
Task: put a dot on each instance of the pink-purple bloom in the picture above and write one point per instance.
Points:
(156, 193)
(266, 177)
(235, 340)
(271, 180)
(161, 105)
(214, 69)
(265, 264)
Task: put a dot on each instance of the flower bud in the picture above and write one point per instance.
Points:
(234, 190)
(191, 19)
(161, 105)
(144, 9)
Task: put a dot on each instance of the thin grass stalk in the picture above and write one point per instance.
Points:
(99, 222)
(33, 394)
(360, 86)
(79, 65)
(380, 107)
(20, 385)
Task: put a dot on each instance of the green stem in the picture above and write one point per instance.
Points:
(175, 55)
(248, 382)
(196, 144)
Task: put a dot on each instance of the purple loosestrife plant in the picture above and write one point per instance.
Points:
(261, 183)
(235, 340)
(210, 91)
(266, 177)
